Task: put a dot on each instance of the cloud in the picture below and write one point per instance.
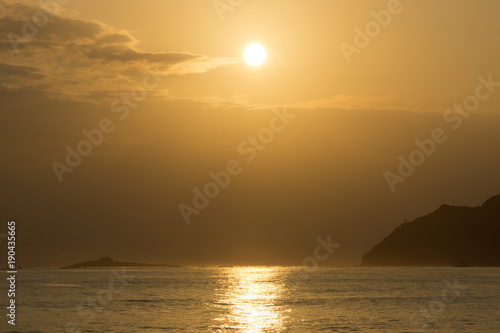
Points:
(124, 53)
(14, 77)
(10, 71)
(347, 102)
(75, 58)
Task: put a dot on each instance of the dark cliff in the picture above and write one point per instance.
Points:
(447, 237)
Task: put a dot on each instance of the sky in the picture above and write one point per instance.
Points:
(116, 115)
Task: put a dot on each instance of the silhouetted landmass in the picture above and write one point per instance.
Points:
(450, 236)
(108, 262)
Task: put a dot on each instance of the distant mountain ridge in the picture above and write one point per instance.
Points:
(108, 262)
(450, 236)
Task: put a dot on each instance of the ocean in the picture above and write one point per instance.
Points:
(256, 299)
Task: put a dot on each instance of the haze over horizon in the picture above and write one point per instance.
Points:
(162, 92)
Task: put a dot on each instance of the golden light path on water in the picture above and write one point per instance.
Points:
(253, 296)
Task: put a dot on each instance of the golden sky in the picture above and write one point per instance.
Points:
(65, 68)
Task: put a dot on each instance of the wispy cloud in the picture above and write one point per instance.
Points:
(348, 102)
(76, 58)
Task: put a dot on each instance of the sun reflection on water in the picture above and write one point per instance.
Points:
(252, 299)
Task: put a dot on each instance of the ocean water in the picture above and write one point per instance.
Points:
(257, 299)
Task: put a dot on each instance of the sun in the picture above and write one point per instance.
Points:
(255, 54)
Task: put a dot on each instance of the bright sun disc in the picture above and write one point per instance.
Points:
(255, 54)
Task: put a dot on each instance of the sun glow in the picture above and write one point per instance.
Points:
(250, 300)
(255, 54)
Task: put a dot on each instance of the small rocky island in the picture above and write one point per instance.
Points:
(108, 262)
(450, 236)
